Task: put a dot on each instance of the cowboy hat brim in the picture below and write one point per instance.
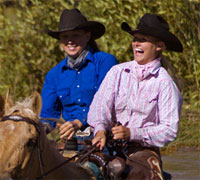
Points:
(97, 29)
(171, 41)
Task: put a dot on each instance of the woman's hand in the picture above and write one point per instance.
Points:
(100, 139)
(120, 132)
(69, 128)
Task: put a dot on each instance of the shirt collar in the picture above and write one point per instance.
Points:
(153, 71)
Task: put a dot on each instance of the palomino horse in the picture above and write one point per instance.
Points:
(25, 151)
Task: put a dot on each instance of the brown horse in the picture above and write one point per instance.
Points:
(25, 151)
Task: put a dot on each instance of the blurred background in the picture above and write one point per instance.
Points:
(27, 53)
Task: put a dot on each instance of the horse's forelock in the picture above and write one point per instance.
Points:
(23, 108)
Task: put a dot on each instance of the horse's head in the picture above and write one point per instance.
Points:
(17, 137)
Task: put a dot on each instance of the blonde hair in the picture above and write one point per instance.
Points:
(165, 63)
(171, 70)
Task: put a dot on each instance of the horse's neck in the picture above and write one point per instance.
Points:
(51, 158)
(44, 158)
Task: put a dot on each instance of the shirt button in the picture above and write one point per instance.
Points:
(78, 86)
(83, 110)
(78, 72)
(79, 100)
(61, 96)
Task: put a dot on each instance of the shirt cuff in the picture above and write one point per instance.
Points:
(139, 134)
(136, 134)
(99, 127)
(83, 121)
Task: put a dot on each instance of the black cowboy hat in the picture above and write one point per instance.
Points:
(155, 26)
(72, 20)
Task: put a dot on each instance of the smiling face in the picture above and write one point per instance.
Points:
(146, 48)
(74, 42)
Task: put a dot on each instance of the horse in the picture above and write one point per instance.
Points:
(25, 150)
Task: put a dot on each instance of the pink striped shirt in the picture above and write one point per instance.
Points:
(148, 103)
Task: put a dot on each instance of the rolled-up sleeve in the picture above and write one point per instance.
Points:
(169, 110)
(51, 106)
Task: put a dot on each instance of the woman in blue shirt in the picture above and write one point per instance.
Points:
(69, 87)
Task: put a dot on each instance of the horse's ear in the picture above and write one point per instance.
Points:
(36, 103)
(2, 103)
(8, 101)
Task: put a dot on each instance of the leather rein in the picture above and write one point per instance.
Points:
(121, 145)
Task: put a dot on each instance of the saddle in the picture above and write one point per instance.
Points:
(124, 165)
(118, 165)
(110, 167)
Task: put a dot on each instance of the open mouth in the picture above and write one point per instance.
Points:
(140, 51)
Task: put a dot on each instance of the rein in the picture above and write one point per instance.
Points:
(86, 152)
(113, 144)
(120, 145)
(53, 119)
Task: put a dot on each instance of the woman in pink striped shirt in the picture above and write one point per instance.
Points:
(140, 96)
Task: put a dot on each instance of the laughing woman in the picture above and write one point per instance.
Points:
(69, 87)
(141, 98)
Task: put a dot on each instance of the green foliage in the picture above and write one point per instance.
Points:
(27, 53)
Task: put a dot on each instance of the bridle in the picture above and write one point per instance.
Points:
(17, 118)
(85, 152)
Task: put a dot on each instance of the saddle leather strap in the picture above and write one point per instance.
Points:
(133, 147)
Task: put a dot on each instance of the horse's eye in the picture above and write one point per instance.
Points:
(31, 143)
(16, 111)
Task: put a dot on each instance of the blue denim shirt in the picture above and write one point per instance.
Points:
(69, 91)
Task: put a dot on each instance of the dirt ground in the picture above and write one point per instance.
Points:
(183, 165)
